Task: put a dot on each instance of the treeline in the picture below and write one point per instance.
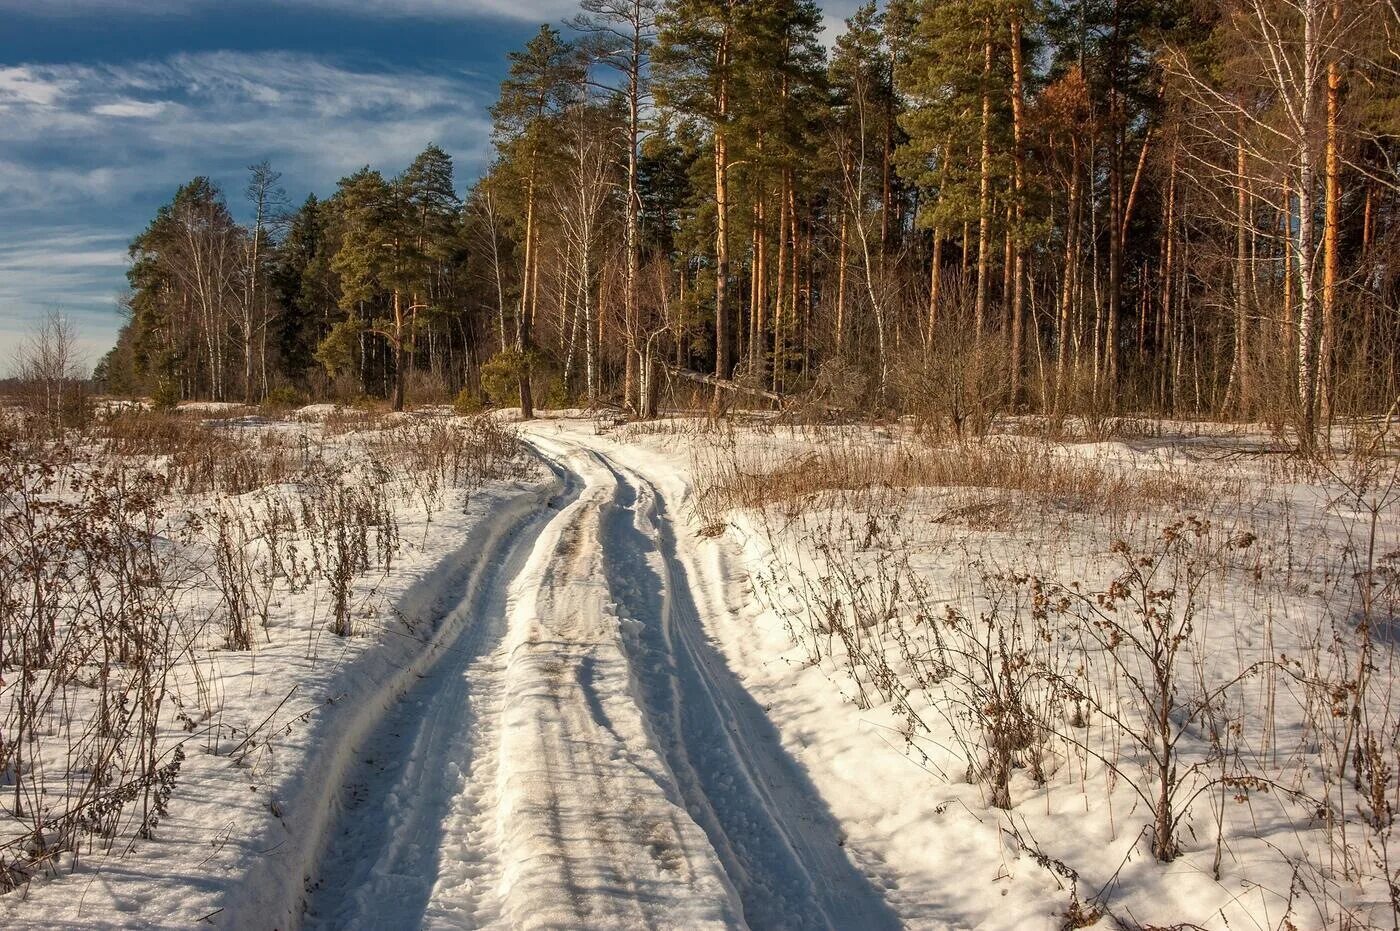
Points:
(964, 207)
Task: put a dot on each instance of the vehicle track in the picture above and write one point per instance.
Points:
(417, 810)
(582, 757)
(780, 845)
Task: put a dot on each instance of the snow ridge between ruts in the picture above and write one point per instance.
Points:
(592, 828)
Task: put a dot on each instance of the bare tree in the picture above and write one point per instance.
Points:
(579, 198)
(269, 201)
(626, 32)
(483, 206)
(1273, 128)
(50, 368)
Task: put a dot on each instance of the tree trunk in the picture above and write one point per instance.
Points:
(523, 343)
(1167, 350)
(1307, 294)
(630, 310)
(1116, 219)
(1327, 349)
(1307, 300)
(1067, 282)
(756, 286)
(794, 264)
(1288, 324)
(935, 285)
(841, 286)
(721, 258)
(1244, 393)
(590, 342)
(984, 191)
(398, 342)
(779, 352)
(1115, 252)
(1018, 233)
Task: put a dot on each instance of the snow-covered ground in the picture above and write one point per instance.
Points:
(883, 714)
(606, 768)
(265, 732)
(617, 694)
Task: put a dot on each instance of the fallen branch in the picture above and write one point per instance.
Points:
(725, 383)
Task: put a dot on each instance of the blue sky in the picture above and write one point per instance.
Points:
(106, 106)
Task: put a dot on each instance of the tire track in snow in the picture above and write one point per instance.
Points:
(594, 832)
(417, 811)
(581, 756)
(780, 846)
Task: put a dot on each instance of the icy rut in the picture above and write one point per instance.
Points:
(581, 757)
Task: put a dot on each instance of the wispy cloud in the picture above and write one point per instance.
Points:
(436, 9)
(134, 109)
(93, 149)
(76, 271)
(21, 86)
(287, 103)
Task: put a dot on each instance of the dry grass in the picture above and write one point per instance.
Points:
(197, 455)
(1032, 470)
(129, 550)
(1208, 630)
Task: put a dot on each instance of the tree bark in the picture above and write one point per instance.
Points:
(630, 310)
(1331, 222)
(523, 343)
(1067, 282)
(397, 343)
(841, 286)
(1243, 383)
(984, 191)
(721, 243)
(1017, 232)
(935, 285)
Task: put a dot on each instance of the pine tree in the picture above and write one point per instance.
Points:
(379, 265)
(955, 84)
(696, 75)
(544, 77)
(303, 288)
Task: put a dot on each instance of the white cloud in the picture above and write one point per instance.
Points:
(132, 109)
(92, 150)
(435, 9)
(159, 123)
(72, 270)
(23, 87)
(36, 187)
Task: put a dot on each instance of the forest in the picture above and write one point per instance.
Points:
(959, 209)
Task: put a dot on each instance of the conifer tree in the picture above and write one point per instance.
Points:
(303, 287)
(379, 264)
(544, 77)
(954, 78)
(696, 70)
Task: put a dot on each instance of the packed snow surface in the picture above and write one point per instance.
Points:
(583, 757)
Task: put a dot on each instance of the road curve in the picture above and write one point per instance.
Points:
(582, 757)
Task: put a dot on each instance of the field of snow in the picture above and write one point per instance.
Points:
(250, 738)
(918, 613)
(671, 675)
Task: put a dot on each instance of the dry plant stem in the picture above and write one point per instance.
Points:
(117, 581)
(1014, 671)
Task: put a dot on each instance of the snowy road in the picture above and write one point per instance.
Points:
(581, 756)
